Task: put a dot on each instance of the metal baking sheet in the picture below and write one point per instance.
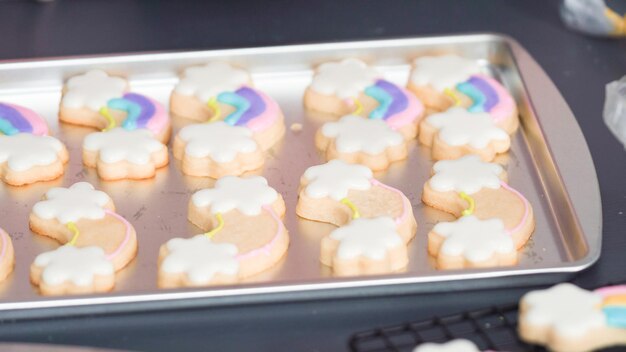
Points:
(549, 163)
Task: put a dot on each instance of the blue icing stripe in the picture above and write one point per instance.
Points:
(7, 129)
(240, 103)
(615, 316)
(383, 98)
(12, 122)
(476, 95)
(132, 109)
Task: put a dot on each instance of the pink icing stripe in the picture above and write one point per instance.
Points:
(268, 117)
(5, 238)
(526, 207)
(414, 109)
(160, 119)
(505, 106)
(405, 207)
(40, 127)
(611, 291)
(126, 238)
(266, 248)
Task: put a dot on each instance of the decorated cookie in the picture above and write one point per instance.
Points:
(495, 219)
(27, 153)
(457, 132)
(124, 154)
(363, 141)
(245, 235)
(340, 193)
(7, 255)
(566, 318)
(219, 91)
(351, 87)
(98, 100)
(217, 149)
(458, 345)
(97, 242)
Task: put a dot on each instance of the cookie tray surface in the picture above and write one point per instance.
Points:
(549, 163)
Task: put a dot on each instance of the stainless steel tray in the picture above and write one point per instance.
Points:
(549, 163)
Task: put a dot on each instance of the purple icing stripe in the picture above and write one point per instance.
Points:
(491, 96)
(399, 100)
(146, 106)
(257, 105)
(15, 118)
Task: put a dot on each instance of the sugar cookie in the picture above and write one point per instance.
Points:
(458, 345)
(27, 153)
(566, 318)
(97, 242)
(351, 87)
(219, 91)
(7, 255)
(495, 219)
(245, 235)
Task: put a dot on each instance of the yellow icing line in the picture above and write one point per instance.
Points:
(470, 201)
(451, 94)
(355, 210)
(104, 111)
(359, 107)
(619, 22)
(220, 226)
(72, 226)
(215, 108)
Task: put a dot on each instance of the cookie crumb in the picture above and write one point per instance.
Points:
(296, 127)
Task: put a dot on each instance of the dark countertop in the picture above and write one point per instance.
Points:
(579, 66)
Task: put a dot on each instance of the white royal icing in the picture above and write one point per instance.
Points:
(467, 174)
(217, 140)
(79, 201)
(211, 79)
(246, 194)
(370, 238)
(474, 239)
(93, 90)
(568, 309)
(73, 264)
(335, 178)
(356, 134)
(200, 259)
(24, 151)
(458, 126)
(459, 345)
(442, 72)
(120, 144)
(345, 79)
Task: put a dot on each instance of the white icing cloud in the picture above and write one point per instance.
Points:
(568, 309)
(93, 90)
(73, 264)
(443, 72)
(211, 79)
(246, 194)
(458, 126)
(371, 238)
(24, 151)
(459, 345)
(79, 201)
(200, 259)
(476, 240)
(218, 140)
(467, 174)
(345, 79)
(335, 178)
(120, 144)
(356, 134)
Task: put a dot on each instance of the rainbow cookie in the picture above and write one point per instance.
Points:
(351, 87)
(457, 132)
(245, 235)
(458, 345)
(348, 196)
(7, 255)
(27, 153)
(494, 219)
(219, 91)
(97, 242)
(566, 318)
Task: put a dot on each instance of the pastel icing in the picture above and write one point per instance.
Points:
(217, 140)
(458, 127)
(468, 174)
(246, 194)
(345, 79)
(566, 308)
(458, 345)
(92, 90)
(355, 134)
(614, 305)
(474, 239)
(127, 234)
(200, 259)
(120, 144)
(142, 112)
(205, 82)
(397, 106)
(24, 151)
(76, 265)
(79, 201)
(336, 178)
(253, 109)
(441, 72)
(16, 119)
(371, 238)
(488, 95)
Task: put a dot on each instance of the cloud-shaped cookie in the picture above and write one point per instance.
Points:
(468, 174)
(211, 79)
(79, 201)
(218, 140)
(24, 151)
(442, 72)
(335, 178)
(120, 144)
(355, 134)
(458, 127)
(370, 238)
(70, 264)
(92, 90)
(345, 79)
(246, 194)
